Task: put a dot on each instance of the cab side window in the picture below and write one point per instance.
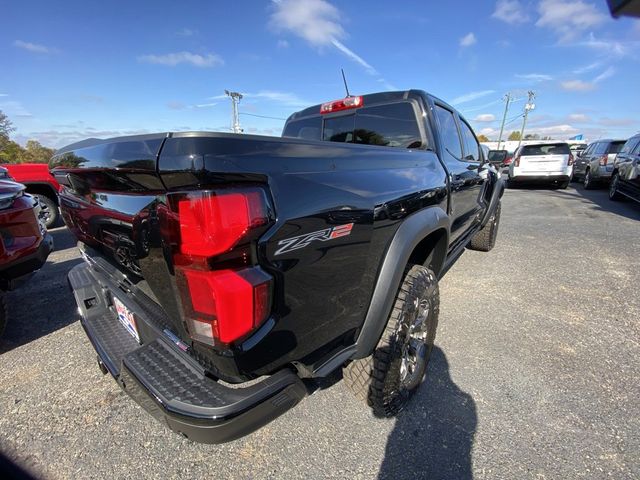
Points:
(600, 148)
(471, 147)
(449, 132)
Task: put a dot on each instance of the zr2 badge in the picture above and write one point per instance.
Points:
(301, 241)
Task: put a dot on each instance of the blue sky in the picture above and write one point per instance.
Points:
(88, 69)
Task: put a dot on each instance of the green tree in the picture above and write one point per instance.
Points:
(10, 152)
(514, 135)
(483, 138)
(34, 152)
(6, 126)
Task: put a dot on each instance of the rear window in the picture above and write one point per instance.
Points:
(393, 125)
(308, 128)
(615, 147)
(548, 149)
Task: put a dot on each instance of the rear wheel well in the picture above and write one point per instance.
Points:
(42, 189)
(431, 251)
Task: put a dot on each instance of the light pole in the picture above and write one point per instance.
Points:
(235, 116)
(508, 99)
(527, 108)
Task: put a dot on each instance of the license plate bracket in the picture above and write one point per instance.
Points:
(126, 318)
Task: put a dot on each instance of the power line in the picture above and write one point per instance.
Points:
(261, 116)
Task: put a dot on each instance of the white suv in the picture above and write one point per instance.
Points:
(544, 162)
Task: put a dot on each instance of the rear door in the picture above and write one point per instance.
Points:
(460, 152)
(544, 158)
(624, 163)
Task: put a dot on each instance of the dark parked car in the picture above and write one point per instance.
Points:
(24, 241)
(595, 165)
(625, 178)
(268, 262)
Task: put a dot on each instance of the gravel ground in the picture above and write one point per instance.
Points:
(535, 375)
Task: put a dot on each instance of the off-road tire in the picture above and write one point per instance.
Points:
(51, 208)
(485, 239)
(378, 379)
(4, 315)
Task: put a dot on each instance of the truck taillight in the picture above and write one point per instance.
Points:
(603, 160)
(516, 161)
(343, 104)
(571, 160)
(212, 229)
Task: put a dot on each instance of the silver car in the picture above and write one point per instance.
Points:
(595, 165)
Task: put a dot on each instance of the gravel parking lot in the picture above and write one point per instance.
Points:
(536, 374)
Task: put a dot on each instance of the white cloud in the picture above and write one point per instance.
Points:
(173, 59)
(287, 99)
(14, 108)
(510, 11)
(587, 68)
(578, 117)
(205, 105)
(468, 97)
(34, 47)
(468, 40)
(317, 22)
(186, 32)
(485, 117)
(577, 86)
(609, 48)
(582, 86)
(4, 94)
(609, 72)
(353, 56)
(568, 19)
(534, 77)
(488, 131)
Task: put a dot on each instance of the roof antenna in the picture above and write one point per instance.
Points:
(344, 79)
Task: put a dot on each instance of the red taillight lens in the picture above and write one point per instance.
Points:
(603, 160)
(220, 305)
(211, 223)
(508, 160)
(571, 160)
(516, 161)
(344, 104)
(224, 304)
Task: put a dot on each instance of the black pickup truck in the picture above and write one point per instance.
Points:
(226, 273)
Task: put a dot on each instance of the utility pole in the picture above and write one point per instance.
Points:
(235, 116)
(507, 99)
(527, 108)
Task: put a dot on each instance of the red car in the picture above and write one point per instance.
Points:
(40, 184)
(24, 241)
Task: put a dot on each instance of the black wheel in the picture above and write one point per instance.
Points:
(386, 379)
(485, 239)
(588, 181)
(563, 185)
(613, 188)
(49, 210)
(3, 314)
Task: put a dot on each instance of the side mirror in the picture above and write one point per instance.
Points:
(497, 157)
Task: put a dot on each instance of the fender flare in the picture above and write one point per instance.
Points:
(412, 231)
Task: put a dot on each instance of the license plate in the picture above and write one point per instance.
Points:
(126, 318)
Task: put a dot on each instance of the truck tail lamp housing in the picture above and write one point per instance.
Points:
(343, 104)
(571, 160)
(224, 294)
(603, 160)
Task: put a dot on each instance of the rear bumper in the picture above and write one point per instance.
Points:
(17, 272)
(165, 379)
(538, 177)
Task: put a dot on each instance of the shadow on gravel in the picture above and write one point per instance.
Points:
(41, 306)
(433, 436)
(600, 200)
